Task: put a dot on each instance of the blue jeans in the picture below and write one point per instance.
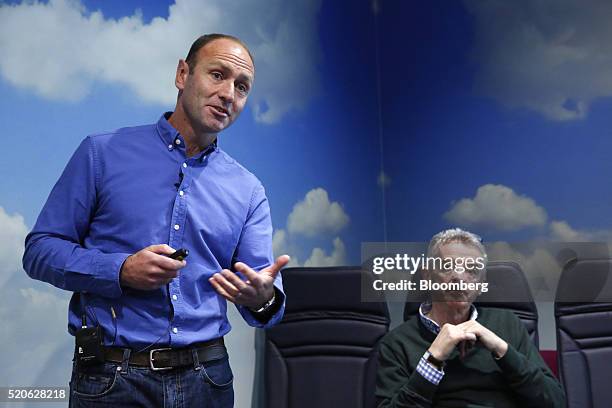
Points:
(121, 385)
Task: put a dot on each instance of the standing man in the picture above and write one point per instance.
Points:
(124, 203)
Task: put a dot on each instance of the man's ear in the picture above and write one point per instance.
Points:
(182, 72)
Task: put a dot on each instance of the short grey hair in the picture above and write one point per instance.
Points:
(454, 235)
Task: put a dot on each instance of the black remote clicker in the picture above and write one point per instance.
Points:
(180, 254)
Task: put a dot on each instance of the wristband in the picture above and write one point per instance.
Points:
(439, 364)
(267, 305)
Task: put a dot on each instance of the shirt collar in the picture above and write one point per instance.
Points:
(173, 139)
(167, 132)
(433, 326)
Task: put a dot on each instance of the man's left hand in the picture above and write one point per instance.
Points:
(253, 293)
(490, 340)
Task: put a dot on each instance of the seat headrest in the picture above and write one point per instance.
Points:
(329, 289)
(585, 286)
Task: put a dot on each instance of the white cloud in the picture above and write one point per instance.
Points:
(28, 308)
(497, 207)
(313, 217)
(319, 257)
(316, 215)
(279, 242)
(12, 235)
(281, 245)
(552, 57)
(72, 48)
(539, 265)
(562, 231)
(383, 180)
(34, 323)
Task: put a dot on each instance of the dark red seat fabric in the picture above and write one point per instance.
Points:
(550, 357)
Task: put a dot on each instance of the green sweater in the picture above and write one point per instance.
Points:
(519, 379)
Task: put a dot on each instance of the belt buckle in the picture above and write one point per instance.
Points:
(151, 359)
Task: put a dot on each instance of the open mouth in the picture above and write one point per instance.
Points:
(220, 110)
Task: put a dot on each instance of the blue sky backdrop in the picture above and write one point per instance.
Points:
(495, 118)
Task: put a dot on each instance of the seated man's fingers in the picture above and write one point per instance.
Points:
(467, 324)
(470, 336)
(220, 290)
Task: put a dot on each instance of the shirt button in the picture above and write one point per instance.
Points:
(181, 193)
(170, 147)
(174, 297)
(174, 330)
(176, 227)
(177, 141)
(185, 165)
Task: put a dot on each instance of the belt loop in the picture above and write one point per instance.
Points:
(196, 359)
(125, 360)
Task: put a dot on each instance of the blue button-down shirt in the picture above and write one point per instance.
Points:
(125, 190)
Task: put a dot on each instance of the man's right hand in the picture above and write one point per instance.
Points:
(447, 339)
(150, 268)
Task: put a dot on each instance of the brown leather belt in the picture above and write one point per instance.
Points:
(167, 358)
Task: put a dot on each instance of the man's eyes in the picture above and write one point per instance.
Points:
(471, 271)
(243, 89)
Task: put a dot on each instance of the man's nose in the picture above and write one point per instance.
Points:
(456, 276)
(226, 91)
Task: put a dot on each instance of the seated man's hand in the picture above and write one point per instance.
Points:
(490, 340)
(449, 336)
(150, 268)
(255, 291)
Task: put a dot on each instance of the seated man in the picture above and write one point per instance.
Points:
(454, 354)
